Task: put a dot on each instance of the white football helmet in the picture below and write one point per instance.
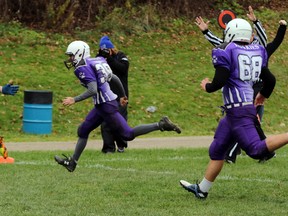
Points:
(77, 50)
(238, 30)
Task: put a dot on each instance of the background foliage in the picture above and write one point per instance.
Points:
(66, 15)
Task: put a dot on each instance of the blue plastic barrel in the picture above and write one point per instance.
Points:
(37, 112)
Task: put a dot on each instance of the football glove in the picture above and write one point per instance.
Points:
(9, 89)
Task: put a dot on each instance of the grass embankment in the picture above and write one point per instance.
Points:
(166, 68)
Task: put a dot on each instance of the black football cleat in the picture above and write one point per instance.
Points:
(267, 157)
(68, 162)
(165, 124)
(193, 188)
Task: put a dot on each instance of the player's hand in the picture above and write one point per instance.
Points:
(282, 22)
(123, 101)
(251, 16)
(201, 24)
(10, 89)
(259, 100)
(68, 101)
(204, 82)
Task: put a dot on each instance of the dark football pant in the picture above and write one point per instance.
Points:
(108, 112)
(241, 125)
(235, 149)
(109, 139)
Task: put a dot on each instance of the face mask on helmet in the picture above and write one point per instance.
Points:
(77, 51)
(238, 30)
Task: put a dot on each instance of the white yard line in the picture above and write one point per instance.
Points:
(134, 170)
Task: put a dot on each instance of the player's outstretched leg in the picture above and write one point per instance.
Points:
(193, 188)
(166, 124)
(68, 162)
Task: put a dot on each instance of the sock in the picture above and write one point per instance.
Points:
(79, 148)
(145, 128)
(205, 185)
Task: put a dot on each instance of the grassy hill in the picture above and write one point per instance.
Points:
(166, 67)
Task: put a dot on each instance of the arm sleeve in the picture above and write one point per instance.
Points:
(271, 47)
(121, 66)
(117, 86)
(220, 78)
(91, 90)
(215, 41)
(260, 33)
(269, 82)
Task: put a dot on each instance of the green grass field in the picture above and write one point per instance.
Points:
(140, 182)
(166, 68)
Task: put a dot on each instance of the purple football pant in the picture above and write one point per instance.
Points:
(238, 125)
(109, 113)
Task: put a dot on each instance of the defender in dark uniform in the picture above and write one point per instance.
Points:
(119, 65)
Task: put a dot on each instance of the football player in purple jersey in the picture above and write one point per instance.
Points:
(95, 75)
(237, 65)
(261, 38)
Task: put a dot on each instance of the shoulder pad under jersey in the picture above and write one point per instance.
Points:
(222, 46)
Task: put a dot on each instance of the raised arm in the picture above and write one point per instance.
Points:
(272, 46)
(262, 37)
(203, 26)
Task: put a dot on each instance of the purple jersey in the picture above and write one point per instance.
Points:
(244, 63)
(97, 70)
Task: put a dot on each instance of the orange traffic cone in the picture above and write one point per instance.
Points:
(3, 150)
